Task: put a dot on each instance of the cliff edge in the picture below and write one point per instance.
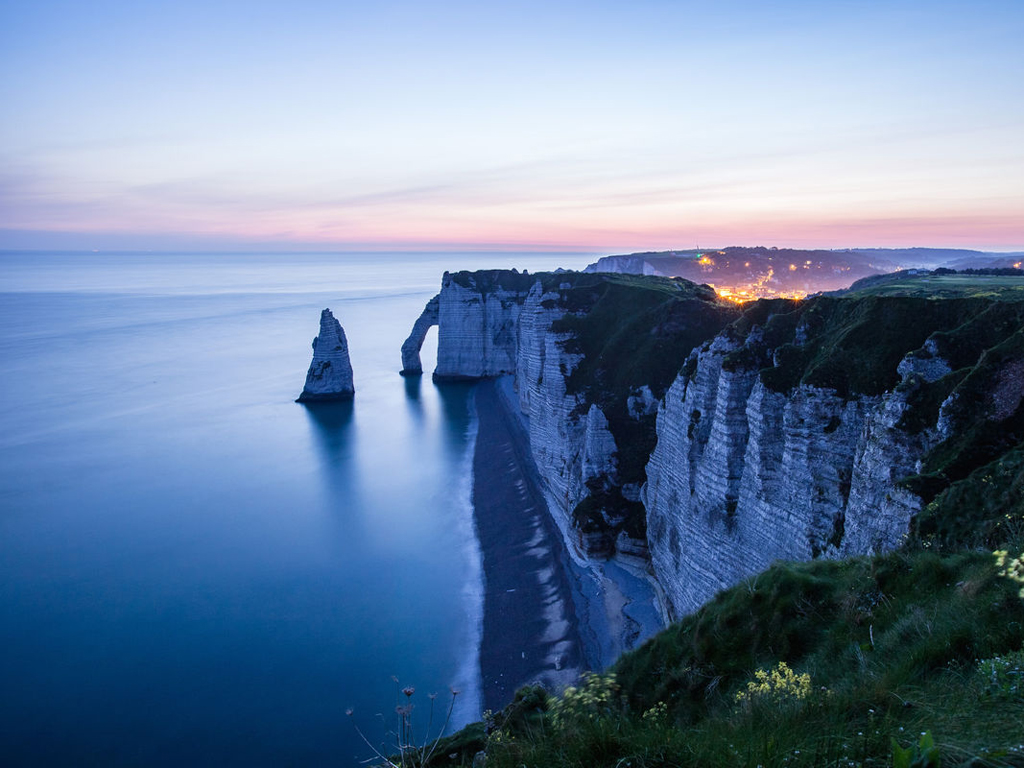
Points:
(708, 439)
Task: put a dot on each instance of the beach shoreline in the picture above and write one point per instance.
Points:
(623, 604)
(549, 613)
(531, 631)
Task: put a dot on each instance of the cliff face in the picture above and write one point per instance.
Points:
(571, 443)
(330, 373)
(477, 321)
(551, 332)
(493, 324)
(779, 441)
(743, 476)
(634, 264)
(714, 440)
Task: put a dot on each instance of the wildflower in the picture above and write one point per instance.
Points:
(657, 713)
(781, 683)
(1012, 568)
(588, 702)
(409, 690)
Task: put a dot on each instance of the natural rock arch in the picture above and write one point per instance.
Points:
(411, 364)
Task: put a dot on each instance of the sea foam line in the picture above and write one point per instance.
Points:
(469, 680)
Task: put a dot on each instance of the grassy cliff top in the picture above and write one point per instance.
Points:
(514, 280)
(1002, 284)
(808, 664)
(834, 663)
(854, 343)
(485, 280)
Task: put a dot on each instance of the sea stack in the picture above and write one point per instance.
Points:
(330, 373)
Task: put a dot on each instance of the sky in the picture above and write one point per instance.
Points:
(592, 126)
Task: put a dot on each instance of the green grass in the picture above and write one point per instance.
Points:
(891, 645)
(982, 510)
(854, 345)
(941, 286)
(979, 434)
(929, 639)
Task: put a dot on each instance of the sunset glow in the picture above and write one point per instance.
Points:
(597, 126)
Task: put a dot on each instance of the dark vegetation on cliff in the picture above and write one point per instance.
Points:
(829, 663)
(854, 345)
(631, 331)
(486, 280)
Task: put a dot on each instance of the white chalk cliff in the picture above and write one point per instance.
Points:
(330, 373)
(476, 331)
(486, 329)
(634, 264)
(741, 475)
(570, 446)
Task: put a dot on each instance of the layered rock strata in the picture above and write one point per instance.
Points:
(488, 328)
(794, 430)
(557, 433)
(749, 469)
(330, 373)
(478, 325)
(498, 323)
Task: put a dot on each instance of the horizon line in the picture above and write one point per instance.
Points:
(493, 249)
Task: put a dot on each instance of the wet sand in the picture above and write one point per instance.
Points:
(531, 632)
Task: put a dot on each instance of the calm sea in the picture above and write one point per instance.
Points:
(194, 569)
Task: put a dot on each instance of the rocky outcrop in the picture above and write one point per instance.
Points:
(633, 264)
(743, 476)
(497, 323)
(478, 314)
(792, 430)
(783, 448)
(411, 365)
(330, 373)
(494, 324)
(925, 363)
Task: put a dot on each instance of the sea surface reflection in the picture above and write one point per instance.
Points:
(194, 569)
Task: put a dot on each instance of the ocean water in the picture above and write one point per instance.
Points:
(194, 569)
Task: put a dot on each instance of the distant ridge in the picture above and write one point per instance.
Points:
(741, 273)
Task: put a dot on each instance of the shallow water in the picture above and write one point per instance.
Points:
(195, 569)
